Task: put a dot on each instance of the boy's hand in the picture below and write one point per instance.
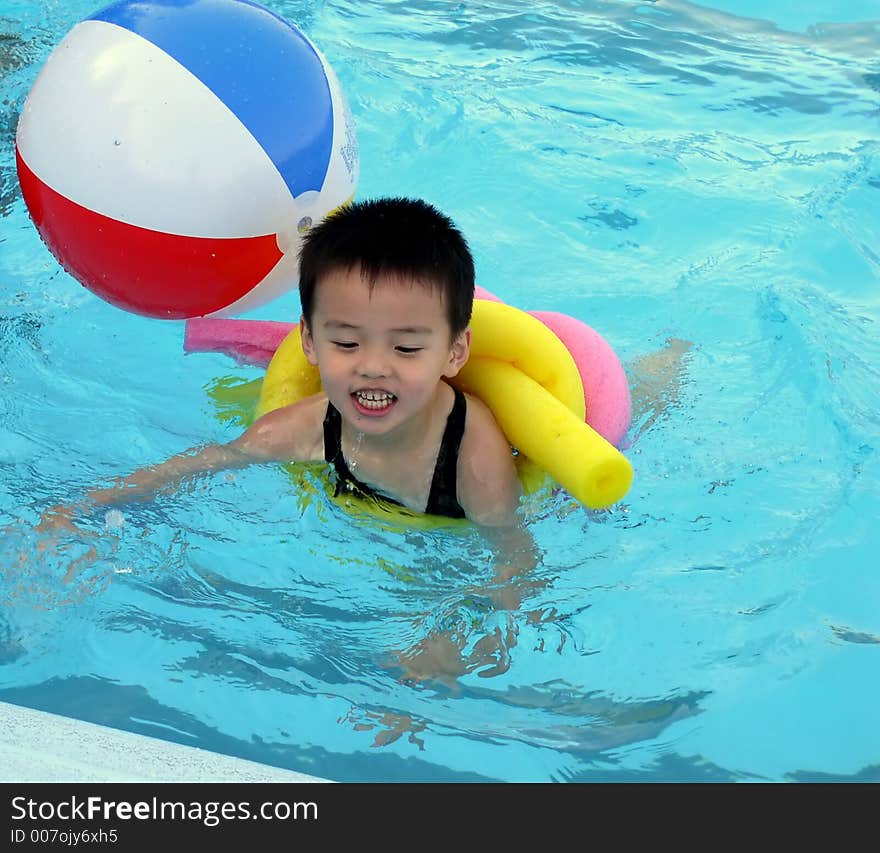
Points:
(56, 525)
(439, 657)
(54, 519)
(436, 657)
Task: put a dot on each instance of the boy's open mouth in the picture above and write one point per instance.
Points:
(373, 402)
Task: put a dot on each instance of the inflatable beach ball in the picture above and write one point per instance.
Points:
(172, 152)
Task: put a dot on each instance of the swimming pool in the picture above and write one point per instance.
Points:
(656, 169)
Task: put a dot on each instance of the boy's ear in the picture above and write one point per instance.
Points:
(308, 343)
(458, 356)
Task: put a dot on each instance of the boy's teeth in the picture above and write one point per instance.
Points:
(374, 399)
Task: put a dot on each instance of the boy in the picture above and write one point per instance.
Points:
(387, 290)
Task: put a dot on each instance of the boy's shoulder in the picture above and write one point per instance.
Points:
(292, 433)
(480, 418)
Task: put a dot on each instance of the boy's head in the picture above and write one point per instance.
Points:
(400, 237)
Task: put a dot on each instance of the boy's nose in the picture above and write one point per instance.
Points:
(373, 365)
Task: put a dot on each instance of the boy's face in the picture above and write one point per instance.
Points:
(380, 352)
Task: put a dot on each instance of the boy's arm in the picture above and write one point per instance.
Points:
(489, 492)
(488, 487)
(147, 482)
(282, 435)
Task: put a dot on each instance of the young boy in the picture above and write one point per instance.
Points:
(387, 289)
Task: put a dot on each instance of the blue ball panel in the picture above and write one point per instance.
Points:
(262, 68)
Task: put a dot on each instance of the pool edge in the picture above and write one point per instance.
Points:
(37, 746)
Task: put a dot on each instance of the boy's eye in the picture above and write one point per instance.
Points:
(408, 350)
(345, 344)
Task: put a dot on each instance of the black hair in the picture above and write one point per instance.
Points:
(397, 236)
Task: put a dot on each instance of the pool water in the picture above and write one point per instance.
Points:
(707, 172)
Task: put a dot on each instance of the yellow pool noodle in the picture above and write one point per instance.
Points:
(538, 425)
(504, 333)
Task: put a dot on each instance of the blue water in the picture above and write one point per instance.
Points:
(707, 172)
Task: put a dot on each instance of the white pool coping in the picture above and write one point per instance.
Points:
(39, 747)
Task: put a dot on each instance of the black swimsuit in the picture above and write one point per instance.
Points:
(442, 499)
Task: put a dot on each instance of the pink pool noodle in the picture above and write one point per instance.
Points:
(606, 390)
(482, 293)
(247, 341)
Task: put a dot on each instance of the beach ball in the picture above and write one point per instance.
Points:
(172, 153)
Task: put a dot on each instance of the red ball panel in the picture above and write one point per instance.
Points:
(146, 272)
